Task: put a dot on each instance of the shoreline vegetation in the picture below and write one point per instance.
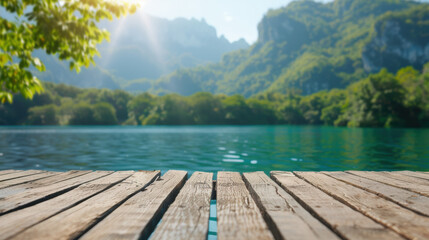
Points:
(380, 100)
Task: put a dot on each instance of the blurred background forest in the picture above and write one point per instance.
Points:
(343, 63)
(381, 100)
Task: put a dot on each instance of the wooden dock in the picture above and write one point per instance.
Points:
(38, 204)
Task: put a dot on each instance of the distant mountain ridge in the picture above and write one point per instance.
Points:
(144, 47)
(313, 46)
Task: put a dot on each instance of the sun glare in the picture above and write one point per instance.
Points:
(144, 24)
(140, 2)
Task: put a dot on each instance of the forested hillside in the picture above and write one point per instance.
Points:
(344, 63)
(311, 46)
(380, 100)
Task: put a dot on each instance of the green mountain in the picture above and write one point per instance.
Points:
(313, 46)
(144, 47)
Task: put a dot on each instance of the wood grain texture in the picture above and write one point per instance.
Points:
(405, 198)
(128, 205)
(4, 172)
(15, 222)
(26, 179)
(138, 216)
(237, 213)
(421, 175)
(19, 174)
(405, 178)
(188, 216)
(72, 222)
(406, 183)
(31, 196)
(40, 182)
(403, 221)
(348, 223)
(285, 216)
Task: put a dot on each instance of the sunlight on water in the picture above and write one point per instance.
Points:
(233, 160)
(213, 148)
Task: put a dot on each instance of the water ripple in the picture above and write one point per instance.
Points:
(213, 148)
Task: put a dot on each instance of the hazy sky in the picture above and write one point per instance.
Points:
(234, 19)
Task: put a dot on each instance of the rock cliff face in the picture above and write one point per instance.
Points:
(392, 49)
(313, 46)
(144, 47)
(282, 28)
(149, 47)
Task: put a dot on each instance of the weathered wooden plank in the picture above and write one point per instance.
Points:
(3, 172)
(34, 195)
(41, 182)
(405, 178)
(405, 198)
(138, 216)
(348, 223)
(403, 221)
(420, 175)
(25, 179)
(188, 216)
(237, 214)
(15, 222)
(285, 216)
(386, 179)
(72, 222)
(19, 174)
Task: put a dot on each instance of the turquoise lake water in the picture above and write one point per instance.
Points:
(213, 148)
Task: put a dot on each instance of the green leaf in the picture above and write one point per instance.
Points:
(54, 28)
(6, 97)
(4, 58)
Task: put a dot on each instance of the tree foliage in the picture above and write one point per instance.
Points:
(65, 28)
(43, 115)
(380, 100)
(313, 46)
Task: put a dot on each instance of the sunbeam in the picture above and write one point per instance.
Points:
(147, 26)
(115, 36)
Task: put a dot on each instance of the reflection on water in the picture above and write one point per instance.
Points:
(213, 148)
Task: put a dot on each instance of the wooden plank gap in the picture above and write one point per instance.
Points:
(40, 183)
(19, 174)
(75, 221)
(214, 190)
(401, 220)
(4, 172)
(410, 185)
(37, 195)
(340, 218)
(285, 217)
(407, 199)
(272, 226)
(188, 216)
(101, 217)
(306, 206)
(19, 221)
(26, 179)
(419, 175)
(139, 215)
(238, 215)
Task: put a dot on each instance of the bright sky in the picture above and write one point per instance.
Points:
(234, 19)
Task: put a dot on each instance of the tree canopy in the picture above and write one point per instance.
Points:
(381, 100)
(67, 29)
